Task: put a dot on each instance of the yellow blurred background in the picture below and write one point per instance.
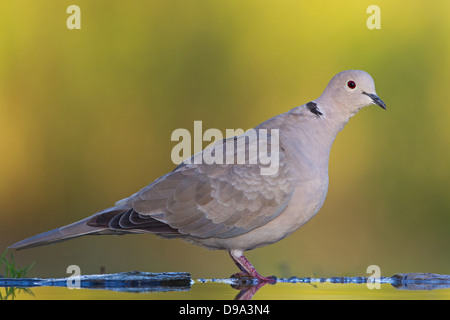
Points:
(86, 118)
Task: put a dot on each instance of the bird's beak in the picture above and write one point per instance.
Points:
(376, 100)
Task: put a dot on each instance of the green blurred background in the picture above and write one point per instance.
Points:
(86, 117)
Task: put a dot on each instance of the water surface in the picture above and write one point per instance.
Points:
(175, 286)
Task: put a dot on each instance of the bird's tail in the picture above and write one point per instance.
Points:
(67, 232)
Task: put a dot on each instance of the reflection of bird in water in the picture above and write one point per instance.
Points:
(247, 289)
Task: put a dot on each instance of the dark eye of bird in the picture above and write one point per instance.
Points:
(351, 84)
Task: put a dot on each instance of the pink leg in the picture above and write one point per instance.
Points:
(247, 268)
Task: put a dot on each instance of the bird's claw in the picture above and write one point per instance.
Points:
(248, 280)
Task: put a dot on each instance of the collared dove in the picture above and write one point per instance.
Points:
(234, 207)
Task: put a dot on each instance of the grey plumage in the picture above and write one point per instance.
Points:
(234, 207)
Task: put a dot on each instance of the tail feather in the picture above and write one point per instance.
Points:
(116, 220)
(70, 231)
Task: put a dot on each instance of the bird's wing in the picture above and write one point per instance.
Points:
(210, 200)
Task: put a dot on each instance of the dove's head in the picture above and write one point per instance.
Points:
(350, 91)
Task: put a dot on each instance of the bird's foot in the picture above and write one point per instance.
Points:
(248, 279)
(249, 285)
(247, 270)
